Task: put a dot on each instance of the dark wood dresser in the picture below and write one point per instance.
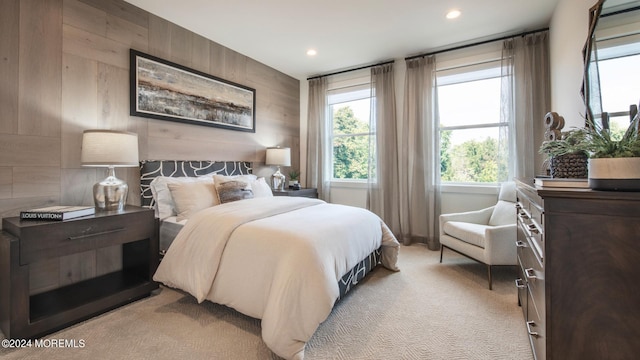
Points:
(27, 242)
(579, 261)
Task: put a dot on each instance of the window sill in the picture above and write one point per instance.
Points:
(346, 184)
(453, 188)
(482, 189)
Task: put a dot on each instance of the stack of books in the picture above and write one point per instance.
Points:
(561, 182)
(57, 213)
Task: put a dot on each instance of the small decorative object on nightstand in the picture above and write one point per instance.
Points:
(279, 157)
(108, 148)
(303, 192)
(294, 177)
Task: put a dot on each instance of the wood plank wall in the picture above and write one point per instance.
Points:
(65, 68)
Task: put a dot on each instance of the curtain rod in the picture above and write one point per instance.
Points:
(476, 44)
(432, 53)
(348, 70)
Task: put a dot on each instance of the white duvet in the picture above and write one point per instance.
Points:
(278, 259)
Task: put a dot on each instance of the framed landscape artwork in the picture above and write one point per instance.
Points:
(164, 90)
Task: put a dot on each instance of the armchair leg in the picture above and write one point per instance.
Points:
(488, 266)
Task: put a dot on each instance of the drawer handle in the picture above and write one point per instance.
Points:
(520, 284)
(530, 324)
(520, 244)
(84, 236)
(524, 215)
(530, 273)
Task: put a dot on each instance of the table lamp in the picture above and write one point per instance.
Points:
(110, 149)
(279, 157)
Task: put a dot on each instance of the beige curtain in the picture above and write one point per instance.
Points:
(318, 147)
(525, 100)
(382, 192)
(419, 159)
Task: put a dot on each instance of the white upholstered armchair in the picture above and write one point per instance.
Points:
(488, 235)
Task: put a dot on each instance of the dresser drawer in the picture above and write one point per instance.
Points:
(535, 235)
(521, 285)
(536, 229)
(536, 329)
(531, 223)
(533, 275)
(45, 240)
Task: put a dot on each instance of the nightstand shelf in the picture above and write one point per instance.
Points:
(304, 192)
(25, 315)
(73, 296)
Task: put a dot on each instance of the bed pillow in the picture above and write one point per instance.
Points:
(232, 190)
(165, 206)
(261, 188)
(248, 179)
(191, 197)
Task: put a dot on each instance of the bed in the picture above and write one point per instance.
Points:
(284, 260)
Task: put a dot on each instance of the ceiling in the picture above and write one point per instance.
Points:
(347, 33)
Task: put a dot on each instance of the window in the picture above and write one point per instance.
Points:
(618, 64)
(349, 108)
(471, 150)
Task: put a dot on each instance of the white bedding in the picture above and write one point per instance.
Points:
(277, 259)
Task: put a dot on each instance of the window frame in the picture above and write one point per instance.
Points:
(619, 32)
(467, 73)
(359, 81)
(616, 44)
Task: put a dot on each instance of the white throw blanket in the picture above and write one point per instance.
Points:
(278, 259)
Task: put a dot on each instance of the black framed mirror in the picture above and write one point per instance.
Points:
(613, 42)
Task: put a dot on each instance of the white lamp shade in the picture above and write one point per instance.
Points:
(278, 156)
(109, 148)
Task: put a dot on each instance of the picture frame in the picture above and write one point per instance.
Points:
(164, 90)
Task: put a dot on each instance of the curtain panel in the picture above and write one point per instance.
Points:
(382, 189)
(318, 172)
(525, 99)
(419, 156)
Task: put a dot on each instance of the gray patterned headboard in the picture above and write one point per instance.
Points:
(150, 169)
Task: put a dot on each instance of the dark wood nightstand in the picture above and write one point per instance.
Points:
(304, 192)
(26, 242)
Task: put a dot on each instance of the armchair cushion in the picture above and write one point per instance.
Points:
(508, 192)
(504, 213)
(470, 233)
(476, 216)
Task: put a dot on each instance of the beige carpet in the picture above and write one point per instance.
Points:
(426, 311)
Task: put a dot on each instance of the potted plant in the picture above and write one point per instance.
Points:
(568, 155)
(294, 177)
(613, 164)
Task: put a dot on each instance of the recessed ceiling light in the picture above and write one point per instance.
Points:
(452, 14)
(312, 52)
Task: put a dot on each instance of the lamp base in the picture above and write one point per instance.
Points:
(277, 180)
(110, 193)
